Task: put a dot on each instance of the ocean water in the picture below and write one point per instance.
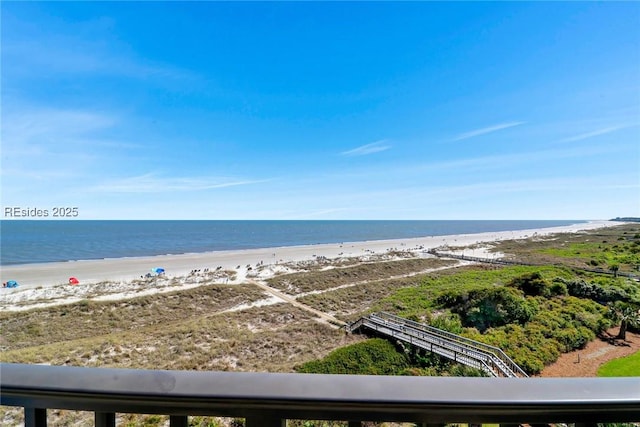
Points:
(26, 241)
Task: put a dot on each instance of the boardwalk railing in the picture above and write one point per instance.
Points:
(491, 360)
(267, 400)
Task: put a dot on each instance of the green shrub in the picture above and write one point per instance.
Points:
(447, 321)
(598, 292)
(372, 357)
(531, 284)
(573, 338)
(486, 308)
(558, 288)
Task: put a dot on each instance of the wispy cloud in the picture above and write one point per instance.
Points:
(49, 126)
(486, 130)
(499, 161)
(149, 183)
(479, 190)
(74, 60)
(79, 49)
(45, 143)
(363, 150)
(591, 134)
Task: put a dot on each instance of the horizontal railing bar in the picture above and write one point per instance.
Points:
(315, 396)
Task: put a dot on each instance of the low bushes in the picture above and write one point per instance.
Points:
(372, 357)
(533, 314)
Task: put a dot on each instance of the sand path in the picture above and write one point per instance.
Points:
(292, 300)
(585, 362)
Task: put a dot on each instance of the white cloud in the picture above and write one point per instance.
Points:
(363, 150)
(486, 130)
(149, 183)
(49, 143)
(591, 134)
(502, 161)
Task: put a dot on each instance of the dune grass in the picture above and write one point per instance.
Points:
(86, 318)
(297, 283)
(599, 248)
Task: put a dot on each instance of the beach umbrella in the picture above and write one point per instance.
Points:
(12, 284)
(157, 270)
(73, 281)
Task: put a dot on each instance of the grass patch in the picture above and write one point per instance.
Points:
(297, 283)
(623, 367)
(600, 248)
(415, 302)
(352, 302)
(598, 254)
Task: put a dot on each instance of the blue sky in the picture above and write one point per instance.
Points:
(308, 110)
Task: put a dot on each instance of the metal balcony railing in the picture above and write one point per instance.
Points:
(268, 399)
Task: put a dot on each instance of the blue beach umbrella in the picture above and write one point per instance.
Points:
(157, 270)
(12, 284)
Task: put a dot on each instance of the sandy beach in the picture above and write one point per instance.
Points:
(49, 281)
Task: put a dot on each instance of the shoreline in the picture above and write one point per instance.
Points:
(132, 268)
(63, 244)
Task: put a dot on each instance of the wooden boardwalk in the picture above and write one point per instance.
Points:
(462, 350)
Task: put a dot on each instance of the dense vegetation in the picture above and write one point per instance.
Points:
(533, 313)
(372, 357)
(378, 356)
(603, 254)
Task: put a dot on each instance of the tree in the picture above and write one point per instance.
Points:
(627, 314)
(614, 269)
